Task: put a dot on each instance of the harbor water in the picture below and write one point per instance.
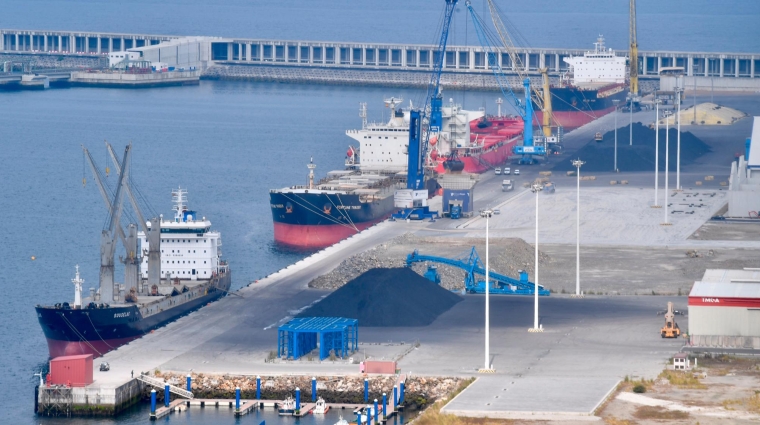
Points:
(228, 143)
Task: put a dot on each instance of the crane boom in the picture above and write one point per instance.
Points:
(634, 53)
(132, 200)
(103, 192)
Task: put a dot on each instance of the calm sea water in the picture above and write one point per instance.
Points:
(229, 143)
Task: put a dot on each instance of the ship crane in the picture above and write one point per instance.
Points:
(109, 235)
(524, 108)
(413, 199)
(633, 61)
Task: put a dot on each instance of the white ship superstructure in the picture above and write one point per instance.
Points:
(383, 146)
(601, 66)
(190, 250)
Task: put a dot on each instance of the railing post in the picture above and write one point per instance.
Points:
(153, 403)
(385, 401)
(366, 390)
(189, 383)
(313, 389)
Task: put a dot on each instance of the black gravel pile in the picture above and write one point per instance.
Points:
(386, 297)
(599, 156)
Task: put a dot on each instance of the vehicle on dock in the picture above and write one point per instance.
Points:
(321, 408)
(598, 136)
(288, 407)
(180, 270)
(507, 185)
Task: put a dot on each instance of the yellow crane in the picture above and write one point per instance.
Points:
(634, 52)
(543, 100)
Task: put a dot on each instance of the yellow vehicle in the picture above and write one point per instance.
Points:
(670, 330)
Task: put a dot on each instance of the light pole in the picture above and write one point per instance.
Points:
(536, 188)
(678, 136)
(615, 102)
(667, 145)
(487, 213)
(577, 163)
(630, 126)
(656, 149)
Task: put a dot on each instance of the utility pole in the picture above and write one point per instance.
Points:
(487, 368)
(656, 150)
(667, 145)
(536, 188)
(615, 102)
(678, 137)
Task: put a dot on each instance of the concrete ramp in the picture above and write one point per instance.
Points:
(161, 384)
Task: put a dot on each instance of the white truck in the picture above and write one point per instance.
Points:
(506, 185)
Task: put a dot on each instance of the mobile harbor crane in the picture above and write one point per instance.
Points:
(413, 199)
(524, 108)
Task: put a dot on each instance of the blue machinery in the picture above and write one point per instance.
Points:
(525, 108)
(413, 199)
(500, 284)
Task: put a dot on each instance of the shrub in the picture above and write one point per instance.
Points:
(639, 389)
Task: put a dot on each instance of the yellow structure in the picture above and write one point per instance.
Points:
(707, 114)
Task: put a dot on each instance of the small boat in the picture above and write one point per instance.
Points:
(341, 421)
(321, 407)
(288, 407)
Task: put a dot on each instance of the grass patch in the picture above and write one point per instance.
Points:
(659, 412)
(638, 386)
(683, 379)
(750, 404)
(611, 420)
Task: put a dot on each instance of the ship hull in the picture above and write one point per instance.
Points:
(484, 161)
(317, 220)
(573, 107)
(97, 331)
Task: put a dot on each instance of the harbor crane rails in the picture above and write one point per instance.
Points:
(542, 98)
(524, 108)
(413, 199)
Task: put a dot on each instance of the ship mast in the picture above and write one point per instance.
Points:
(77, 281)
(311, 166)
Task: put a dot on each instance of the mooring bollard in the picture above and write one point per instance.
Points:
(313, 389)
(395, 398)
(153, 402)
(237, 399)
(166, 395)
(359, 417)
(384, 403)
(189, 383)
(366, 390)
(258, 388)
(401, 393)
(298, 399)
(375, 411)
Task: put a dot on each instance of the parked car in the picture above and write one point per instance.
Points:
(105, 367)
(507, 171)
(517, 172)
(497, 171)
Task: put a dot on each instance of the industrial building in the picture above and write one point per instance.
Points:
(724, 309)
(744, 183)
(301, 336)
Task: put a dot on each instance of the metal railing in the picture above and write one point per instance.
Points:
(161, 384)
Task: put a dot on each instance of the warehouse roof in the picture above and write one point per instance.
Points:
(728, 284)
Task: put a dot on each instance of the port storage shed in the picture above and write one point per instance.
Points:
(724, 309)
(74, 371)
(302, 335)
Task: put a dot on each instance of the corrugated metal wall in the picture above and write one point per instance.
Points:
(724, 326)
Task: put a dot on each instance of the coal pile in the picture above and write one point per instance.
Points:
(385, 297)
(600, 156)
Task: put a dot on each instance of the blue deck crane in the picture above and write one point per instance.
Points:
(471, 264)
(413, 199)
(524, 108)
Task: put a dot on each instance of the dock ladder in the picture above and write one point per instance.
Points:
(161, 384)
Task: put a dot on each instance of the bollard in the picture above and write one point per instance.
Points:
(384, 403)
(359, 417)
(153, 402)
(375, 411)
(395, 398)
(166, 395)
(298, 399)
(313, 389)
(401, 393)
(258, 388)
(237, 399)
(189, 383)
(366, 390)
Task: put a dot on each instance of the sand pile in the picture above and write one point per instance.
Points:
(386, 297)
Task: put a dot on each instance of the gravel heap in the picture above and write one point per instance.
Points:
(507, 256)
(599, 156)
(386, 297)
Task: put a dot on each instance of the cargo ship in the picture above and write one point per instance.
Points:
(188, 272)
(588, 90)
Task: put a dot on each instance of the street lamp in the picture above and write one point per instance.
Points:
(656, 149)
(615, 102)
(630, 126)
(577, 164)
(678, 135)
(667, 145)
(536, 188)
(487, 213)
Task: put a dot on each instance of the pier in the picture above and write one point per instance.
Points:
(466, 67)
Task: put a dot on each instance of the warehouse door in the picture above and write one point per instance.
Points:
(753, 322)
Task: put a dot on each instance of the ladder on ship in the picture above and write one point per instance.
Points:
(161, 384)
